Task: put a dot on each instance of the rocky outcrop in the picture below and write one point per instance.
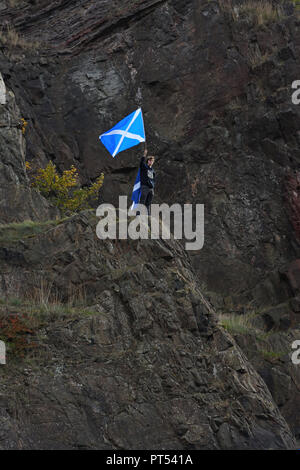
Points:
(270, 355)
(215, 89)
(18, 201)
(144, 366)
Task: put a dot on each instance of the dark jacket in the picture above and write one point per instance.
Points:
(147, 174)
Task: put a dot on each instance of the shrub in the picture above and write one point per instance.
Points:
(24, 125)
(64, 191)
(14, 331)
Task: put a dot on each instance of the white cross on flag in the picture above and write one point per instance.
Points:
(127, 133)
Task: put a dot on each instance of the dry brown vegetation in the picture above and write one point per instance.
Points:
(11, 39)
(260, 12)
(256, 58)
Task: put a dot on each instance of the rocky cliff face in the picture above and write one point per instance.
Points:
(144, 366)
(17, 200)
(215, 87)
(216, 96)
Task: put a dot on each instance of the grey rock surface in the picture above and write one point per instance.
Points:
(18, 201)
(144, 366)
(216, 98)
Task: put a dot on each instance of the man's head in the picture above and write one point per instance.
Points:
(150, 160)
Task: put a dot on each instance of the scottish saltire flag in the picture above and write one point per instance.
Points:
(127, 133)
(136, 193)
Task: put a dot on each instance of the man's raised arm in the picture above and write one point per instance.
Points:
(143, 158)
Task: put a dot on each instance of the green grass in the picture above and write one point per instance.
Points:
(19, 230)
(16, 302)
(262, 341)
(259, 12)
(38, 315)
(238, 324)
(296, 4)
(22, 322)
(272, 355)
(43, 304)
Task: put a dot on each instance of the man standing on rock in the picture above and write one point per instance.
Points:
(147, 180)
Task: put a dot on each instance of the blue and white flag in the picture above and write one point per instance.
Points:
(127, 133)
(136, 193)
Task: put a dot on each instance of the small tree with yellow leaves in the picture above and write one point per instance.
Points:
(65, 191)
(24, 125)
